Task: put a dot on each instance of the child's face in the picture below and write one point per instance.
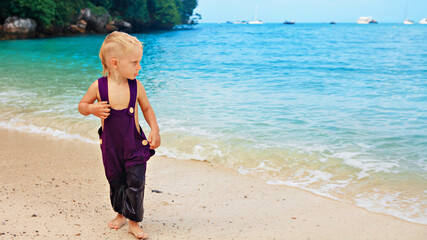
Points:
(129, 65)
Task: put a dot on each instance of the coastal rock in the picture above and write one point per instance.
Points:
(84, 14)
(110, 28)
(15, 28)
(76, 29)
(94, 22)
(79, 27)
(82, 24)
(98, 23)
(123, 26)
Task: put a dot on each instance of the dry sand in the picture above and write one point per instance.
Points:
(56, 189)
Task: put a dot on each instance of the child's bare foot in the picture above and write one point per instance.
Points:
(117, 222)
(136, 230)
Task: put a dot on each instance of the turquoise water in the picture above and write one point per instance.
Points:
(339, 110)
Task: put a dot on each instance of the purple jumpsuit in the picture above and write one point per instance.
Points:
(125, 153)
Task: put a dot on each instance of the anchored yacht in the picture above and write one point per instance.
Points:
(366, 20)
(407, 21)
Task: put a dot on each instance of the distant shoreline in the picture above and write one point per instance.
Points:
(400, 23)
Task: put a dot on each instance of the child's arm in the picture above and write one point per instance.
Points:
(87, 105)
(150, 117)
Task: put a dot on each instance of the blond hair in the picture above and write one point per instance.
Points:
(117, 41)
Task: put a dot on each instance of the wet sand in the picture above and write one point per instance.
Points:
(56, 189)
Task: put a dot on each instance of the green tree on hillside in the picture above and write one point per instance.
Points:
(164, 14)
(133, 11)
(4, 10)
(45, 12)
(107, 4)
(187, 9)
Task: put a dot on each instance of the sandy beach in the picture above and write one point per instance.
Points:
(56, 189)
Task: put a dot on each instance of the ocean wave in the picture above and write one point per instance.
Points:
(395, 204)
(19, 125)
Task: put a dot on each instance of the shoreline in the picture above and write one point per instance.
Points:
(59, 134)
(57, 188)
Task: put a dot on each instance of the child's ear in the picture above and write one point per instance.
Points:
(114, 63)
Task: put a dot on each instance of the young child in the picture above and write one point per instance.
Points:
(125, 149)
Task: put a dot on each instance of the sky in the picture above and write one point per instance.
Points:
(215, 11)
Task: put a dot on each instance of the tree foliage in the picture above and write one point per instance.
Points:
(164, 13)
(45, 12)
(141, 13)
(133, 11)
(42, 12)
(187, 9)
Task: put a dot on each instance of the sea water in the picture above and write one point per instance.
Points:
(338, 110)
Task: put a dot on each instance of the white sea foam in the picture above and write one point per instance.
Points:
(276, 182)
(46, 111)
(364, 146)
(173, 153)
(242, 170)
(422, 163)
(365, 164)
(301, 186)
(18, 125)
(307, 176)
(263, 166)
(391, 204)
(199, 153)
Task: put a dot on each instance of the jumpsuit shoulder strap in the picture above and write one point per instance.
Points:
(103, 88)
(133, 91)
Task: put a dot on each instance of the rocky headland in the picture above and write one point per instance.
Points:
(86, 22)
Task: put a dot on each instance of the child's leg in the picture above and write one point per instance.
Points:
(117, 191)
(133, 208)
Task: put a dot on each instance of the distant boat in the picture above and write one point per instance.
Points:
(332, 22)
(366, 20)
(407, 21)
(423, 21)
(289, 22)
(256, 21)
(240, 22)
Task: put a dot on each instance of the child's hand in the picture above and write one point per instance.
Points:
(154, 139)
(100, 109)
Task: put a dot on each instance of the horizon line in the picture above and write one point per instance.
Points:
(315, 22)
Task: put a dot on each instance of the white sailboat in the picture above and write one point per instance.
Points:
(256, 21)
(423, 21)
(407, 21)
